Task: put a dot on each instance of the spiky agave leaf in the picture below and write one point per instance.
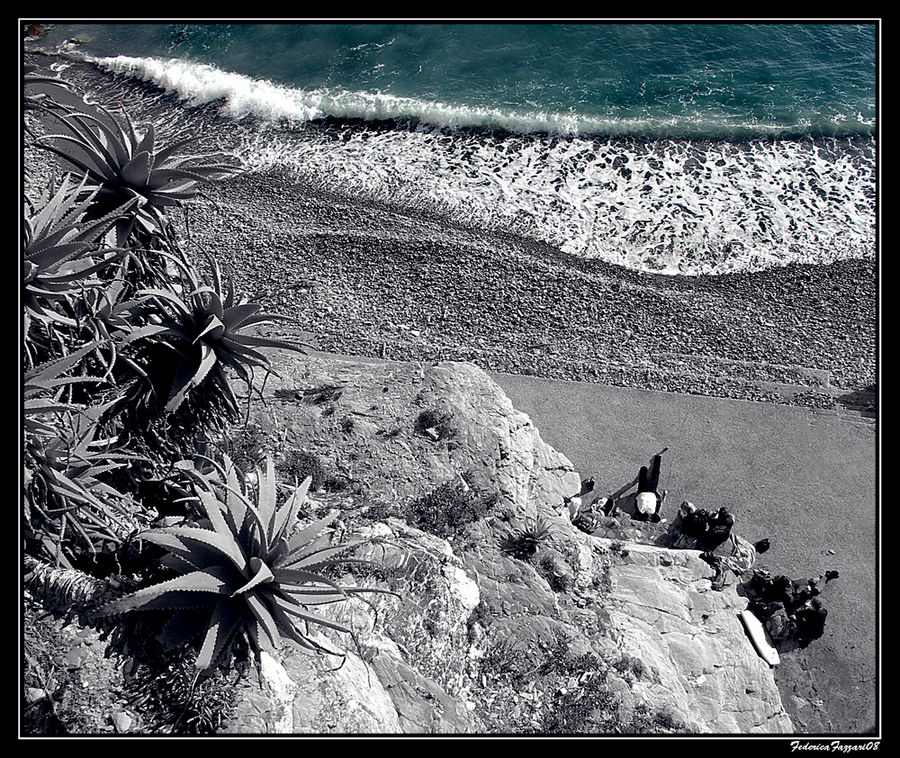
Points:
(61, 250)
(193, 590)
(206, 327)
(67, 464)
(44, 91)
(49, 376)
(66, 461)
(108, 151)
(248, 552)
(43, 387)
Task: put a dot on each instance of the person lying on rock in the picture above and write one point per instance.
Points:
(583, 516)
(734, 558)
(765, 588)
(802, 626)
(649, 502)
(587, 517)
(806, 591)
(702, 530)
(810, 621)
(793, 594)
(780, 625)
(719, 529)
(575, 502)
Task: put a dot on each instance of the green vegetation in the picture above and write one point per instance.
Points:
(592, 706)
(244, 572)
(630, 667)
(301, 464)
(435, 423)
(549, 689)
(525, 541)
(57, 699)
(170, 696)
(506, 659)
(122, 165)
(448, 508)
(128, 351)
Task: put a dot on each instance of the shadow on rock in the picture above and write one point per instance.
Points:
(864, 402)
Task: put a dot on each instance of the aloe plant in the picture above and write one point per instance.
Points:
(42, 385)
(44, 91)
(66, 500)
(111, 155)
(246, 569)
(206, 327)
(526, 541)
(61, 251)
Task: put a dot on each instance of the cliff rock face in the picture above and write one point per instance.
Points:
(690, 637)
(582, 634)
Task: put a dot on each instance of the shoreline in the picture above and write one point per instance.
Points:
(372, 280)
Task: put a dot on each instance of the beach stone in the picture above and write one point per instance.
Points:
(76, 657)
(33, 694)
(122, 721)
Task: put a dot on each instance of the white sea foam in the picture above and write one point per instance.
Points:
(663, 205)
(666, 206)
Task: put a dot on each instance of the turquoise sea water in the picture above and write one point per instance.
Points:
(677, 147)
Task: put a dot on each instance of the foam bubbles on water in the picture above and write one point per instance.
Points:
(666, 206)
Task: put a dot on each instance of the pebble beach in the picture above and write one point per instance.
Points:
(402, 278)
(365, 278)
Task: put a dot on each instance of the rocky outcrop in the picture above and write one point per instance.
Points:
(690, 638)
(588, 633)
(471, 631)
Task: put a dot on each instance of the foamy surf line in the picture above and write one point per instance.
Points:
(243, 96)
(668, 206)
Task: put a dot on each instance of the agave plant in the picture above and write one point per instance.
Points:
(107, 317)
(61, 251)
(42, 385)
(527, 540)
(206, 328)
(122, 165)
(246, 570)
(44, 91)
(66, 500)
